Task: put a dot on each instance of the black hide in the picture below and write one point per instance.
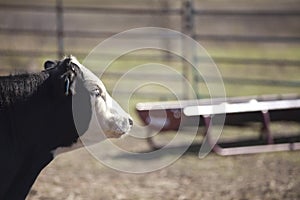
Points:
(36, 118)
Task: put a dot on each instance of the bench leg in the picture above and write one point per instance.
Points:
(151, 142)
(266, 131)
(213, 145)
(270, 147)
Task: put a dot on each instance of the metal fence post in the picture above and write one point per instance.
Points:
(188, 29)
(60, 28)
(165, 22)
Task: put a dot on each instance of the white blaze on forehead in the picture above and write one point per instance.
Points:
(89, 78)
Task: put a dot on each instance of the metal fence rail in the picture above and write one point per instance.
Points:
(227, 60)
(60, 10)
(187, 13)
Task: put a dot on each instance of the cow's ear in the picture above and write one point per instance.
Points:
(69, 76)
(50, 64)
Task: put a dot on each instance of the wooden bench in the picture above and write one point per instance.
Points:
(241, 111)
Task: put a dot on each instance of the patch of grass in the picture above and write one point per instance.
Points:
(254, 50)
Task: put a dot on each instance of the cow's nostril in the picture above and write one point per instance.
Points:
(130, 121)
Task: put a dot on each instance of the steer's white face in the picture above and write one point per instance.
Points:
(108, 117)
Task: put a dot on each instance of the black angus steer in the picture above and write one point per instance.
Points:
(45, 113)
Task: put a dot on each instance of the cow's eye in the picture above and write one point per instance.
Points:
(98, 93)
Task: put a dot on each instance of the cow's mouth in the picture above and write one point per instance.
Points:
(120, 127)
(116, 134)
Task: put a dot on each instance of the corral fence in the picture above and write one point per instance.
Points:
(55, 24)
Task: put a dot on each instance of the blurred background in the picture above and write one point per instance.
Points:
(255, 44)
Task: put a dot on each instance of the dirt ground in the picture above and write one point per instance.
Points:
(77, 175)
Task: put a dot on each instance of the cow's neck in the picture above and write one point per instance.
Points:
(16, 88)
